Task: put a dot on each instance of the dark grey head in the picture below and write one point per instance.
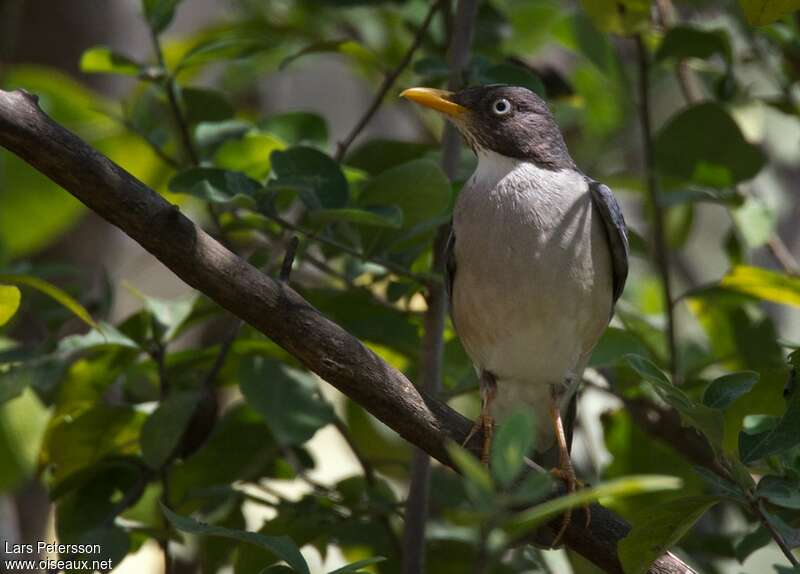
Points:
(509, 120)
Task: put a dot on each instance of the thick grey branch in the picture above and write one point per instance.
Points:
(270, 306)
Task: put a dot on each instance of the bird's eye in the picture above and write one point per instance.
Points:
(501, 107)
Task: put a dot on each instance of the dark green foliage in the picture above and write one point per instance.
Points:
(173, 422)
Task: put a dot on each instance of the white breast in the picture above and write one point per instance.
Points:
(533, 284)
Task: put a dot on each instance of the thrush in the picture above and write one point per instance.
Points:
(536, 260)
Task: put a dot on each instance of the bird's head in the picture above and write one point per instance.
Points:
(509, 120)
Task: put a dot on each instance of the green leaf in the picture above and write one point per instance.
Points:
(162, 431)
(297, 128)
(763, 284)
(780, 491)
(159, 13)
(683, 42)
(708, 421)
(204, 105)
(763, 12)
(784, 435)
(216, 185)
(621, 487)
(105, 335)
(663, 527)
(478, 481)
(10, 298)
(622, 17)
(316, 177)
(389, 216)
(356, 566)
(74, 442)
(419, 188)
(286, 398)
(281, 546)
(170, 315)
(613, 344)
(376, 156)
(682, 150)
(512, 443)
(727, 388)
(249, 154)
(345, 47)
(53, 292)
(103, 60)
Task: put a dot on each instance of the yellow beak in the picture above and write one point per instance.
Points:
(434, 99)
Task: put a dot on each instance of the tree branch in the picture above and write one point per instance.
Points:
(270, 306)
(388, 82)
(659, 240)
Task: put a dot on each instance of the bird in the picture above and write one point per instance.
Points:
(536, 260)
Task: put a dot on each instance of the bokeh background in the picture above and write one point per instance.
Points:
(723, 101)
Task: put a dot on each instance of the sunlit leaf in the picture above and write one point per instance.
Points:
(281, 546)
(10, 298)
(663, 527)
(55, 293)
(103, 60)
(249, 154)
(621, 487)
(763, 284)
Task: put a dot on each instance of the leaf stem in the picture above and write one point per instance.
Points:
(659, 240)
(388, 81)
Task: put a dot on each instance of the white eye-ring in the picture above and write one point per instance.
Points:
(501, 107)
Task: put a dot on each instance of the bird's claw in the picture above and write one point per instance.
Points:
(567, 474)
(485, 423)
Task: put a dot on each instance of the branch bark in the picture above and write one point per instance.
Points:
(271, 307)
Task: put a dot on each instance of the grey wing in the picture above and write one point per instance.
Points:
(614, 224)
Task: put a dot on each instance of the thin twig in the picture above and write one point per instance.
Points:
(417, 506)
(288, 259)
(758, 508)
(388, 82)
(389, 265)
(659, 241)
(782, 255)
(172, 97)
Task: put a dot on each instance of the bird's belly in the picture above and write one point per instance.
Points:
(532, 289)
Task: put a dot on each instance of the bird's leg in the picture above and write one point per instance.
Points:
(485, 421)
(564, 471)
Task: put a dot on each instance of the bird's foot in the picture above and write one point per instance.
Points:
(484, 423)
(567, 474)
